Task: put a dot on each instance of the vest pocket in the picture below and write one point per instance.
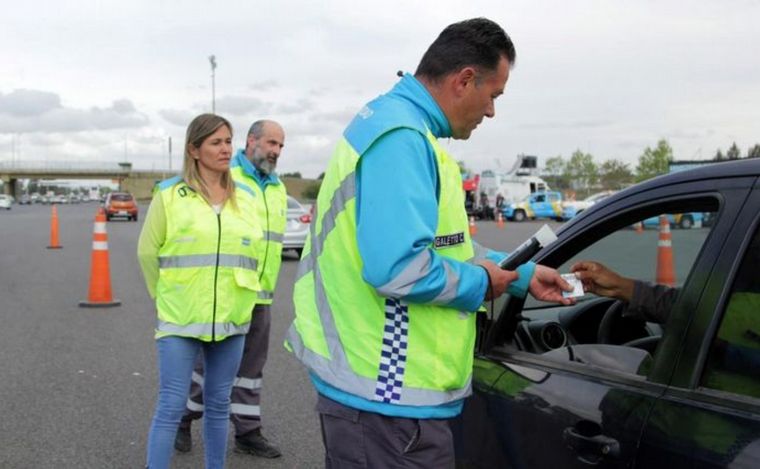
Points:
(247, 278)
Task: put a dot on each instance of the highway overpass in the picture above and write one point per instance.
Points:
(140, 183)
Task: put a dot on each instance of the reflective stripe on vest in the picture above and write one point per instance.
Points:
(198, 330)
(334, 368)
(274, 237)
(207, 260)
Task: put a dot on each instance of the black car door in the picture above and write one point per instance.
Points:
(548, 390)
(710, 415)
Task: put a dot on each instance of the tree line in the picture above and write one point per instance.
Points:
(580, 173)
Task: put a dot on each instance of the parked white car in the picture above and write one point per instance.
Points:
(5, 201)
(297, 227)
(571, 208)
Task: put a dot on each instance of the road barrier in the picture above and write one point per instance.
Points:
(100, 274)
(54, 243)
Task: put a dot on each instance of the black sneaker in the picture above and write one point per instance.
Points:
(254, 443)
(183, 442)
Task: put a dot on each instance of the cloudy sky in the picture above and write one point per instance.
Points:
(108, 81)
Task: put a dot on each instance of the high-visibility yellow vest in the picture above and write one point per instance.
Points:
(208, 265)
(272, 209)
(380, 349)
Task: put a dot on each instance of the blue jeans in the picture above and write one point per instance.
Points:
(176, 357)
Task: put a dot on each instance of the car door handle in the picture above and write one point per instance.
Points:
(586, 439)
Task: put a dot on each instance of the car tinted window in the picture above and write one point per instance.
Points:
(624, 340)
(121, 197)
(734, 358)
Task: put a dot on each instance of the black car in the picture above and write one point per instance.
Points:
(581, 386)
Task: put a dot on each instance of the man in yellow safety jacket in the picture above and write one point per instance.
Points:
(389, 278)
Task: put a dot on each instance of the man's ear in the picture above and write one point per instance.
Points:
(463, 80)
(250, 141)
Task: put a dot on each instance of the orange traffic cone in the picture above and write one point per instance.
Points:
(473, 227)
(54, 244)
(100, 277)
(500, 221)
(665, 272)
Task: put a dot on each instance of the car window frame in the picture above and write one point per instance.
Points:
(728, 194)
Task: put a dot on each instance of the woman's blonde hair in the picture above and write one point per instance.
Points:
(201, 128)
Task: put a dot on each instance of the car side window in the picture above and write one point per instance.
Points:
(734, 357)
(658, 251)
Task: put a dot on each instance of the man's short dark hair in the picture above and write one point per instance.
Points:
(478, 42)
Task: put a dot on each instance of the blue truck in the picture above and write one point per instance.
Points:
(541, 204)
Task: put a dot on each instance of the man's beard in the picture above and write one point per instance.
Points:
(262, 163)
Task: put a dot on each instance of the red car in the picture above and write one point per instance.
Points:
(121, 204)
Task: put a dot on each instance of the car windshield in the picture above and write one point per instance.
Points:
(121, 198)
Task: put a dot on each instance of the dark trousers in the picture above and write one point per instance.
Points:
(245, 410)
(356, 439)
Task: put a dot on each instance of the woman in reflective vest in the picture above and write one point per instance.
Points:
(199, 254)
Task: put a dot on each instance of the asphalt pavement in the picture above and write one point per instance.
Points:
(78, 385)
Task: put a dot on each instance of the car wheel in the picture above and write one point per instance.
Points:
(108, 217)
(519, 215)
(686, 222)
(134, 218)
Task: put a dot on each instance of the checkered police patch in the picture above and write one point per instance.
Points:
(449, 240)
(390, 376)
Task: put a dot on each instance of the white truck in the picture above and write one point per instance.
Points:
(515, 184)
(511, 187)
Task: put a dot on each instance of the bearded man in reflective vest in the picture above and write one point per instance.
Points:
(252, 169)
(389, 279)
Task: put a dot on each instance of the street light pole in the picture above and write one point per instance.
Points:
(212, 61)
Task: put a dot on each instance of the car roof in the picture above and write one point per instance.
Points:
(711, 170)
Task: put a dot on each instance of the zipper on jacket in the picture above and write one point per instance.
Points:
(266, 253)
(216, 273)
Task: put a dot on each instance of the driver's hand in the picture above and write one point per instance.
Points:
(602, 281)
